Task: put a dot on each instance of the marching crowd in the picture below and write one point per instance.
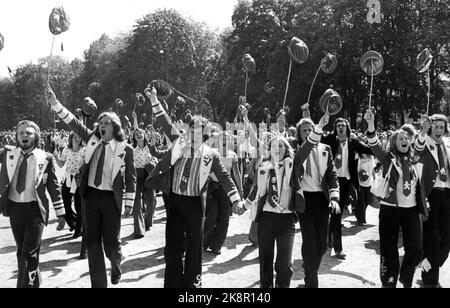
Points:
(282, 175)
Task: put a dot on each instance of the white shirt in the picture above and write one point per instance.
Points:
(344, 172)
(405, 202)
(439, 183)
(312, 183)
(74, 160)
(107, 180)
(142, 157)
(29, 194)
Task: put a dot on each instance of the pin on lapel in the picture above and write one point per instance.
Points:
(431, 148)
(121, 156)
(11, 157)
(41, 167)
(93, 143)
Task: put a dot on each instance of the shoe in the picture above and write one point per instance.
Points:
(405, 285)
(432, 286)
(115, 279)
(82, 256)
(340, 255)
(76, 234)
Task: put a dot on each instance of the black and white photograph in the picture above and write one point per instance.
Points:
(239, 145)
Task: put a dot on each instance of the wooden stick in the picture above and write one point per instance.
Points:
(429, 91)
(50, 60)
(287, 83)
(371, 88)
(314, 80)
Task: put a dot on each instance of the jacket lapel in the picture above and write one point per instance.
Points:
(41, 166)
(119, 157)
(90, 148)
(263, 177)
(206, 163)
(322, 154)
(177, 150)
(431, 145)
(11, 162)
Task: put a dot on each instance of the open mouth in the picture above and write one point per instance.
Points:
(102, 132)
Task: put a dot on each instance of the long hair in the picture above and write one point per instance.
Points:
(289, 152)
(37, 132)
(117, 126)
(347, 124)
(70, 141)
(135, 143)
(392, 148)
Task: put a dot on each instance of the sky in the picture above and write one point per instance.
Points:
(24, 24)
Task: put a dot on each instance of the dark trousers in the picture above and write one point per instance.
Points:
(144, 205)
(436, 235)
(335, 230)
(280, 229)
(314, 228)
(27, 226)
(391, 220)
(103, 227)
(73, 219)
(218, 210)
(364, 198)
(183, 234)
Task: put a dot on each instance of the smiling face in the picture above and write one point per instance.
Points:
(402, 142)
(438, 130)
(26, 136)
(106, 128)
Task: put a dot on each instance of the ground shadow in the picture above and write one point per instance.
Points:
(326, 268)
(156, 258)
(233, 264)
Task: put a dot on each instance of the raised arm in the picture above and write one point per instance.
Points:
(161, 117)
(372, 138)
(67, 117)
(419, 144)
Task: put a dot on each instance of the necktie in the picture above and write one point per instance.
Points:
(101, 162)
(20, 187)
(273, 199)
(406, 177)
(186, 172)
(338, 160)
(442, 172)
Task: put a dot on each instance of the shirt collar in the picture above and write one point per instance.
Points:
(31, 153)
(113, 145)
